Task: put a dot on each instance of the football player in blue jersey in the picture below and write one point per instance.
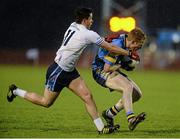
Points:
(106, 69)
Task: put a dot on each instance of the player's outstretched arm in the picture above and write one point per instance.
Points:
(114, 49)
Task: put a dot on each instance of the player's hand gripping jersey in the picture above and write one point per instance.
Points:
(103, 56)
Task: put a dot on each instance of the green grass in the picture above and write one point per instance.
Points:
(68, 118)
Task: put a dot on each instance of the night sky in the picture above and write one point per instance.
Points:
(163, 13)
(41, 23)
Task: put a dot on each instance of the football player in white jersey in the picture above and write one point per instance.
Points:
(62, 73)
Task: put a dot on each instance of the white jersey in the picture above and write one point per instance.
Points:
(76, 39)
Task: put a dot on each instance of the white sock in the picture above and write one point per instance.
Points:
(99, 124)
(19, 92)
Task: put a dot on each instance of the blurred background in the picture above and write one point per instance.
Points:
(31, 31)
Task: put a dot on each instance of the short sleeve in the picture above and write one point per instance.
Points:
(93, 37)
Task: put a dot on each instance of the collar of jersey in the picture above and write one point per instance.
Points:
(79, 25)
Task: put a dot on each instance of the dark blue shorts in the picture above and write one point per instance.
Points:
(100, 77)
(57, 78)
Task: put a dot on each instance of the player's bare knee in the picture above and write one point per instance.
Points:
(47, 103)
(88, 97)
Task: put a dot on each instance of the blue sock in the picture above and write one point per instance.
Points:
(129, 115)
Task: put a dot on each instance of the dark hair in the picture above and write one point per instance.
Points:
(82, 13)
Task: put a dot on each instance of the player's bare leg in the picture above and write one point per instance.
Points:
(79, 87)
(136, 95)
(117, 83)
(46, 100)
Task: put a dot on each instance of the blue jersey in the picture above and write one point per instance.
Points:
(104, 56)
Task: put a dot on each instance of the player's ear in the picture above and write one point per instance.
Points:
(84, 21)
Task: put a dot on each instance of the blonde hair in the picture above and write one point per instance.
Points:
(137, 35)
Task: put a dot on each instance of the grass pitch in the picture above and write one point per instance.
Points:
(68, 118)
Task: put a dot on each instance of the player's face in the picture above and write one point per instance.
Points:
(133, 46)
(89, 21)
